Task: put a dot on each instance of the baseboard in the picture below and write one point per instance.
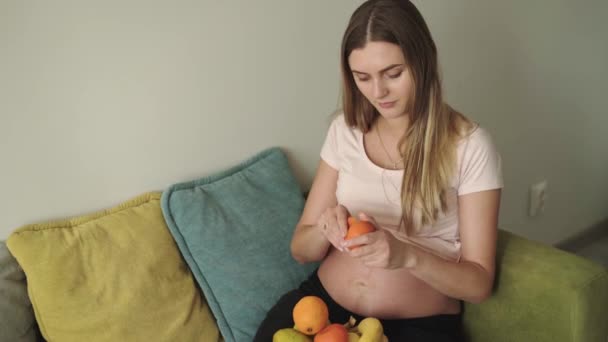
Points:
(585, 237)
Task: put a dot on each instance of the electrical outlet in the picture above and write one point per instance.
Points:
(538, 197)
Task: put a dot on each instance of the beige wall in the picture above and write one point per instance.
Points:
(103, 100)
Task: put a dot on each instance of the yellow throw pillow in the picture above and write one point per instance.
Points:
(115, 275)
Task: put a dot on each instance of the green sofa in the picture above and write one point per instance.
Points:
(180, 267)
(541, 294)
(124, 274)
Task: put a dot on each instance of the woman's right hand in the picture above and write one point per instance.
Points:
(333, 225)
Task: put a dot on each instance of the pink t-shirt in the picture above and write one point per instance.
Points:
(365, 187)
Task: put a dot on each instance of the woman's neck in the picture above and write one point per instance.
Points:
(395, 128)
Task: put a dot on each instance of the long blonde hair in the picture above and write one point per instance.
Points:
(435, 128)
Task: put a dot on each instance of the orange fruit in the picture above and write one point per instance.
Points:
(351, 220)
(332, 333)
(357, 228)
(310, 315)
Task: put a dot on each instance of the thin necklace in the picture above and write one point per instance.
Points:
(385, 150)
(383, 175)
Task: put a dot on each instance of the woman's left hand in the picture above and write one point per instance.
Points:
(378, 249)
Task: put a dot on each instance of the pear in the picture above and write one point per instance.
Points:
(290, 335)
(352, 337)
(371, 330)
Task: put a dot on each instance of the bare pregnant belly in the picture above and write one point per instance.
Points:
(380, 293)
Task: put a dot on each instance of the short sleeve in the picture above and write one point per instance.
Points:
(480, 164)
(329, 151)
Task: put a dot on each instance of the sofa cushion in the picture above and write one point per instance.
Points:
(234, 229)
(17, 322)
(541, 294)
(114, 275)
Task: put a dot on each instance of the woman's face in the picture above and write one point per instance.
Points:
(382, 76)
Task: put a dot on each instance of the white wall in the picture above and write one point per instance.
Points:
(534, 73)
(102, 101)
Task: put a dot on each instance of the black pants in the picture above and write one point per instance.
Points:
(437, 328)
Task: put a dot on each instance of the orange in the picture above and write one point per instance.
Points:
(357, 228)
(310, 315)
(332, 333)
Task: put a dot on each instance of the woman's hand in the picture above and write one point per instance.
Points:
(332, 224)
(380, 248)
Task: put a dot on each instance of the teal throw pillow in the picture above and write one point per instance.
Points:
(234, 229)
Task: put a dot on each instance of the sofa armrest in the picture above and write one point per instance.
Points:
(541, 294)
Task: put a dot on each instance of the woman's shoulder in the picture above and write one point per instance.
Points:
(470, 132)
(340, 127)
(338, 120)
(479, 162)
(342, 140)
(475, 145)
(476, 135)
